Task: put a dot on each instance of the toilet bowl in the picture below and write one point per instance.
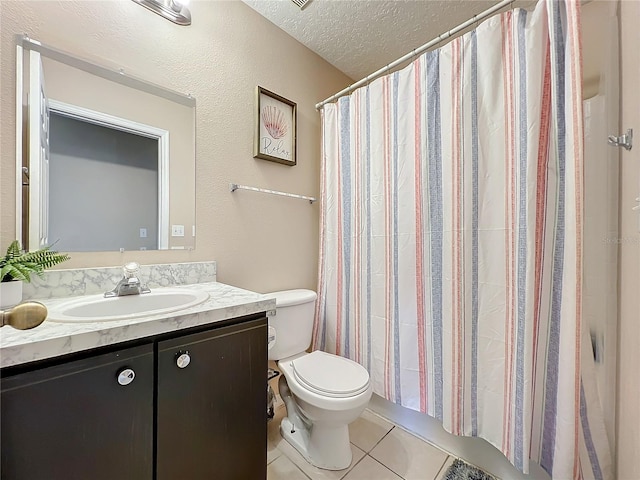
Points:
(322, 392)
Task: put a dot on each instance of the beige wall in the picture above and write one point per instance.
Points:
(628, 458)
(260, 242)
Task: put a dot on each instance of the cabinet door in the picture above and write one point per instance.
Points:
(212, 412)
(75, 421)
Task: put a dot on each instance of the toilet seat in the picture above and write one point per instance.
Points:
(329, 375)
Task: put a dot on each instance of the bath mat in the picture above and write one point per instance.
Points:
(462, 471)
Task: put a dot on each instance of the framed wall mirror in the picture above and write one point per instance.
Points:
(106, 162)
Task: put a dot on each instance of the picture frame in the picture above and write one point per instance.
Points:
(275, 128)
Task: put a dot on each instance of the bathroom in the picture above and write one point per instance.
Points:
(265, 243)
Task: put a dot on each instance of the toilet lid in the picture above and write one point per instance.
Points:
(330, 375)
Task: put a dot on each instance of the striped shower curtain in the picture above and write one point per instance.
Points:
(451, 244)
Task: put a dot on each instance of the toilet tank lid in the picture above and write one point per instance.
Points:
(288, 298)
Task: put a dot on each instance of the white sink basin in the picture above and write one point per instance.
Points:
(97, 308)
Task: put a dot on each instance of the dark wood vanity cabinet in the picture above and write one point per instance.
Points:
(74, 421)
(178, 419)
(212, 412)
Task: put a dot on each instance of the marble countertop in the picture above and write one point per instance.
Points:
(52, 339)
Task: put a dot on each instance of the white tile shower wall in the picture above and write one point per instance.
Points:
(601, 241)
(88, 281)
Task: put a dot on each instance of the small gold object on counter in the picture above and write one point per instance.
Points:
(24, 316)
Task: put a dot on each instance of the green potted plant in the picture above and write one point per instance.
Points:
(18, 266)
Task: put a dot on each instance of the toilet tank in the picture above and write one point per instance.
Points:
(293, 322)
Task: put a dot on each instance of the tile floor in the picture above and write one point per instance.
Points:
(381, 451)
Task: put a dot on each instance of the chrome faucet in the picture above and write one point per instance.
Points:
(130, 283)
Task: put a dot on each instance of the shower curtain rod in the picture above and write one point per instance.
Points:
(477, 18)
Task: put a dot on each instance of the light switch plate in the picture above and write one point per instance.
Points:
(177, 230)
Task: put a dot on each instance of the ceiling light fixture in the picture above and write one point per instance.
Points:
(173, 10)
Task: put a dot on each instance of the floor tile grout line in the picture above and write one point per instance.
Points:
(423, 439)
(351, 467)
(296, 465)
(442, 467)
(385, 466)
(347, 471)
(292, 463)
(274, 459)
(378, 442)
(374, 458)
(388, 468)
(428, 442)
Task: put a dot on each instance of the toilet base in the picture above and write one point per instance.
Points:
(325, 447)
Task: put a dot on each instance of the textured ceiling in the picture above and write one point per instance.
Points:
(361, 36)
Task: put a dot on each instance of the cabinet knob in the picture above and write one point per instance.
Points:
(183, 359)
(126, 376)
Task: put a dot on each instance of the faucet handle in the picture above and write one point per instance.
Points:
(131, 269)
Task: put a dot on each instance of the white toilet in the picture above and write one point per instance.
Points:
(322, 392)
